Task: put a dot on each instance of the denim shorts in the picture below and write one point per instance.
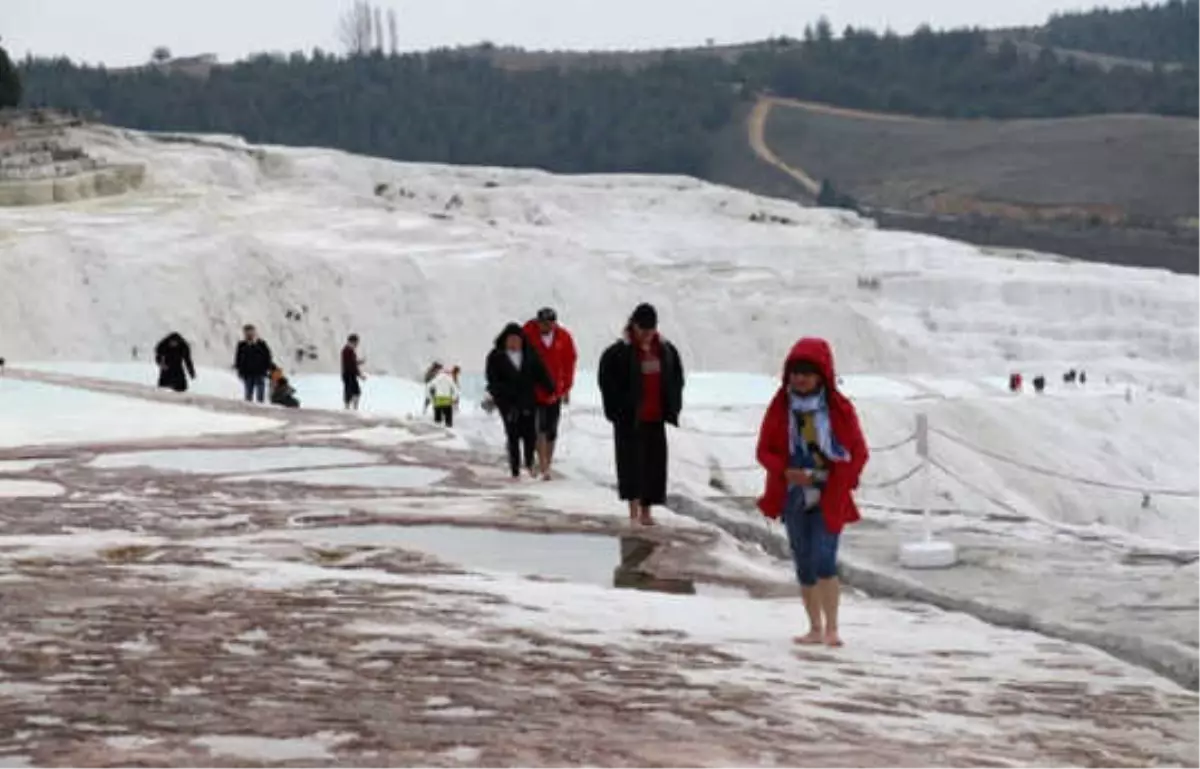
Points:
(814, 548)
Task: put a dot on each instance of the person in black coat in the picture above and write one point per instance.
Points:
(641, 385)
(514, 370)
(174, 356)
(253, 362)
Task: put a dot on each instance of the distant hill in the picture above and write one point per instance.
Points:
(1159, 33)
(1119, 188)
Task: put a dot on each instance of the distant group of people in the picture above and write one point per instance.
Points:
(1073, 376)
(261, 377)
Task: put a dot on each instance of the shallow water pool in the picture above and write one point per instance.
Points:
(585, 558)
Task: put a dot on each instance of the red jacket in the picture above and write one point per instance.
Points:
(559, 359)
(774, 450)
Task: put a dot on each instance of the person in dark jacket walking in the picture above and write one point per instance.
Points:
(514, 371)
(641, 384)
(174, 356)
(253, 362)
(351, 373)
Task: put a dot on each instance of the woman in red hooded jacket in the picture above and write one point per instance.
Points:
(813, 451)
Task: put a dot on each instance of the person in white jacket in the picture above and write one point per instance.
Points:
(442, 392)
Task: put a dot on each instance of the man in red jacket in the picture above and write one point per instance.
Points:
(813, 450)
(556, 348)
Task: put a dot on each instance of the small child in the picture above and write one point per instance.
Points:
(282, 392)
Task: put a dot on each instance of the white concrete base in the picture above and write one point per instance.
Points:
(931, 554)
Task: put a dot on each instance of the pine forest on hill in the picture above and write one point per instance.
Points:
(1158, 33)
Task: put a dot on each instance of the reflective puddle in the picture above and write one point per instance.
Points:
(222, 461)
(380, 477)
(583, 558)
(574, 557)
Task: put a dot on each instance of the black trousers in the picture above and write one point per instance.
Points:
(173, 379)
(350, 388)
(641, 462)
(520, 429)
(444, 414)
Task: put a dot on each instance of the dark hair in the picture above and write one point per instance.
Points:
(248, 327)
(547, 314)
(802, 366)
(352, 338)
(645, 317)
(510, 329)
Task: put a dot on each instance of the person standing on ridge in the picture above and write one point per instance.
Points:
(557, 350)
(513, 372)
(253, 362)
(173, 355)
(442, 391)
(351, 373)
(641, 384)
(813, 451)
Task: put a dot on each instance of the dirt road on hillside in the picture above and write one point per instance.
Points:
(756, 127)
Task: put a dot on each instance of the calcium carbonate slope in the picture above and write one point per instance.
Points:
(299, 242)
(429, 261)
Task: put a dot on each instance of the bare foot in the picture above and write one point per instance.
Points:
(546, 476)
(832, 638)
(811, 638)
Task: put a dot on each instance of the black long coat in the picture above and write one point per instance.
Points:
(620, 380)
(173, 356)
(512, 389)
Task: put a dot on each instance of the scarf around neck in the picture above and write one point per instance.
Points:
(816, 406)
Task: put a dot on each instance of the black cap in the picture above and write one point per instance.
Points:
(645, 317)
(547, 314)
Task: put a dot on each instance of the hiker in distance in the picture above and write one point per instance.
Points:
(442, 391)
(253, 362)
(513, 372)
(641, 385)
(173, 355)
(813, 451)
(557, 350)
(351, 373)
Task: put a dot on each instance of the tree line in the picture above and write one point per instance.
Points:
(458, 107)
(1163, 33)
(957, 74)
(437, 107)
(10, 82)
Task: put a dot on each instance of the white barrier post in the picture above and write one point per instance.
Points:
(926, 487)
(929, 553)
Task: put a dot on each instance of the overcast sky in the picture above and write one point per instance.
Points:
(118, 32)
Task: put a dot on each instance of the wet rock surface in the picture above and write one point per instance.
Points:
(183, 618)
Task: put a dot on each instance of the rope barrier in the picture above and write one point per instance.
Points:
(892, 446)
(1062, 476)
(998, 502)
(910, 438)
(893, 481)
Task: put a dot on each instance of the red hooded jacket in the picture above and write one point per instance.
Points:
(559, 358)
(774, 450)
